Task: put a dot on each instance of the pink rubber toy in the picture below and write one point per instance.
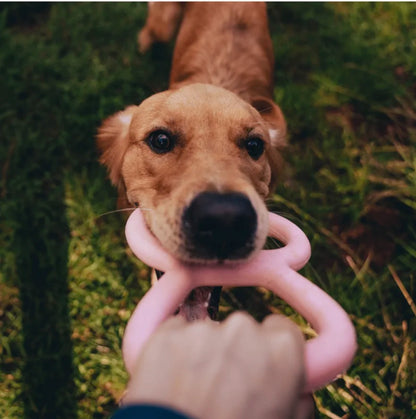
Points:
(326, 356)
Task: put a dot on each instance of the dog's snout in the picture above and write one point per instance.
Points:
(220, 226)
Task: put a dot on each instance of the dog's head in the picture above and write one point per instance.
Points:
(199, 161)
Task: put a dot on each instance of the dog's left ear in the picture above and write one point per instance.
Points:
(276, 125)
(112, 142)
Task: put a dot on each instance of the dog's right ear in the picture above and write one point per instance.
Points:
(273, 117)
(112, 142)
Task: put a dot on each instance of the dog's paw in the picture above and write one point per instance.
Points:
(145, 40)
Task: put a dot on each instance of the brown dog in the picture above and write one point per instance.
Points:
(201, 157)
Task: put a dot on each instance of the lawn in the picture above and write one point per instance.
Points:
(346, 81)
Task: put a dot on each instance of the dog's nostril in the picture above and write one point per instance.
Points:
(220, 225)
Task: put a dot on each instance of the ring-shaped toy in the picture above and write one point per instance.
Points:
(326, 356)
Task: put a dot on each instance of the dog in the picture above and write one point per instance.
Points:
(202, 157)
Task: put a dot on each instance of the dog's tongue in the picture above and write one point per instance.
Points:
(195, 307)
(200, 303)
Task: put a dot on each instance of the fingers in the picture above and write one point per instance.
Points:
(285, 341)
(286, 344)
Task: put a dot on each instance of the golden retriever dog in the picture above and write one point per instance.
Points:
(202, 157)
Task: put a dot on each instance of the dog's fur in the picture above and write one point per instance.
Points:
(220, 96)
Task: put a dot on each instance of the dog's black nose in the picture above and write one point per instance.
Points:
(220, 226)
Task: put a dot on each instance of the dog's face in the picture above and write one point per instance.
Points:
(199, 161)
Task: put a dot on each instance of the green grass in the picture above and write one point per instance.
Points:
(346, 81)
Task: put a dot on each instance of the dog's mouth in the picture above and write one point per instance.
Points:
(219, 227)
(215, 228)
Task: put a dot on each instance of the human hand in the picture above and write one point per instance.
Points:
(235, 369)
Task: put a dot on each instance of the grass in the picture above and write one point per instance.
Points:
(346, 81)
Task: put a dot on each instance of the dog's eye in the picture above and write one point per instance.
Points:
(160, 142)
(254, 147)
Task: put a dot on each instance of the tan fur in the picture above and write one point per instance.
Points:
(220, 92)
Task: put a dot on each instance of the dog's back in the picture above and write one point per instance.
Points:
(236, 54)
(224, 44)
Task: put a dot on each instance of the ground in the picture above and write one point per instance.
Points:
(346, 81)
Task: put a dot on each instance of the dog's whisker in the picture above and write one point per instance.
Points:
(267, 109)
(115, 211)
(122, 210)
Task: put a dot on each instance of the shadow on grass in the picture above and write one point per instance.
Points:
(36, 210)
(41, 251)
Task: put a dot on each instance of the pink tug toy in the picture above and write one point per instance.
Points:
(326, 356)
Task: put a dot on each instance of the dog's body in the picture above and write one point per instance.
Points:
(223, 44)
(201, 157)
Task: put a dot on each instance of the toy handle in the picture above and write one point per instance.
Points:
(327, 355)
